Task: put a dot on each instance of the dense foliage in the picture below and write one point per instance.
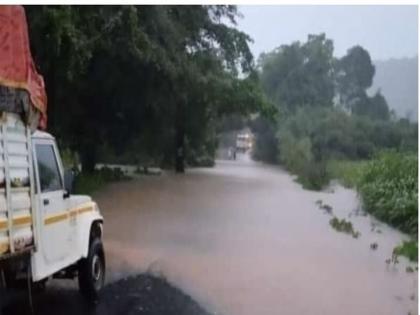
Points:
(389, 190)
(149, 80)
(330, 127)
(387, 185)
(309, 138)
(348, 172)
(325, 111)
(408, 249)
(87, 183)
(300, 74)
(156, 84)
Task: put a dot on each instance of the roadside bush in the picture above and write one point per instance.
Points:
(296, 156)
(308, 139)
(266, 146)
(347, 172)
(86, 183)
(111, 174)
(408, 249)
(202, 161)
(389, 190)
(201, 157)
(294, 153)
(313, 175)
(201, 152)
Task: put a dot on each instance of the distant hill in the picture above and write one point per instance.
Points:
(398, 81)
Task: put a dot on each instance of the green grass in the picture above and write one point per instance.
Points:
(408, 249)
(87, 183)
(387, 185)
(348, 173)
(389, 190)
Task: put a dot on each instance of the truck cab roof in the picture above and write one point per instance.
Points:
(42, 135)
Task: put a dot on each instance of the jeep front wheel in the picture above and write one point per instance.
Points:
(92, 271)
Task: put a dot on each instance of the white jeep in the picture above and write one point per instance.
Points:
(45, 231)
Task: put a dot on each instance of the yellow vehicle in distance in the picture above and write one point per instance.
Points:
(244, 142)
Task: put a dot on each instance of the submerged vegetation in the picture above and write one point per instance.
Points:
(323, 206)
(319, 144)
(408, 249)
(344, 227)
(347, 172)
(387, 185)
(389, 190)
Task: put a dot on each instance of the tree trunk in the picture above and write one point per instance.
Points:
(180, 138)
(88, 158)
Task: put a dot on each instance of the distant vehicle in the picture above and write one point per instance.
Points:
(243, 142)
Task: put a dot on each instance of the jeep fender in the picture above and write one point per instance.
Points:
(90, 224)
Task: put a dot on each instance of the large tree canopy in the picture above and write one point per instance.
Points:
(325, 110)
(300, 74)
(354, 73)
(307, 75)
(150, 77)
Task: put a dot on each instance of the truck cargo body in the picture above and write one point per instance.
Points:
(17, 187)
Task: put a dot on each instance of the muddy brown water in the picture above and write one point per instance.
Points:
(243, 238)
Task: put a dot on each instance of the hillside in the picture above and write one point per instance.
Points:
(398, 81)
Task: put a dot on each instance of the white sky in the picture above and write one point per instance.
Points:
(385, 31)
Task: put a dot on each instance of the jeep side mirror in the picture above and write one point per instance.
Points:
(68, 182)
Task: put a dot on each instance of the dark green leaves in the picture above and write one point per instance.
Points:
(129, 76)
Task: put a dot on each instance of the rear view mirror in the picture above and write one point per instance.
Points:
(69, 181)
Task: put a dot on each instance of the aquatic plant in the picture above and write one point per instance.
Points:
(344, 227)
(323, 206)
(409, 269)
(327, 208)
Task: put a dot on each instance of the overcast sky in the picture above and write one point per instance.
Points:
(385, 31)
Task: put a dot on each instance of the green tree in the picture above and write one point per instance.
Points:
(375, 107)
(300, 74)
(145, 77)
(354, 74)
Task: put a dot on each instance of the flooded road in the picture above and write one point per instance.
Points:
(243, 238)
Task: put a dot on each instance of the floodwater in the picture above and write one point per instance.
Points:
(243, 238)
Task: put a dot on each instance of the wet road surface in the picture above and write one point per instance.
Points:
(243, 238)
(143, 294)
